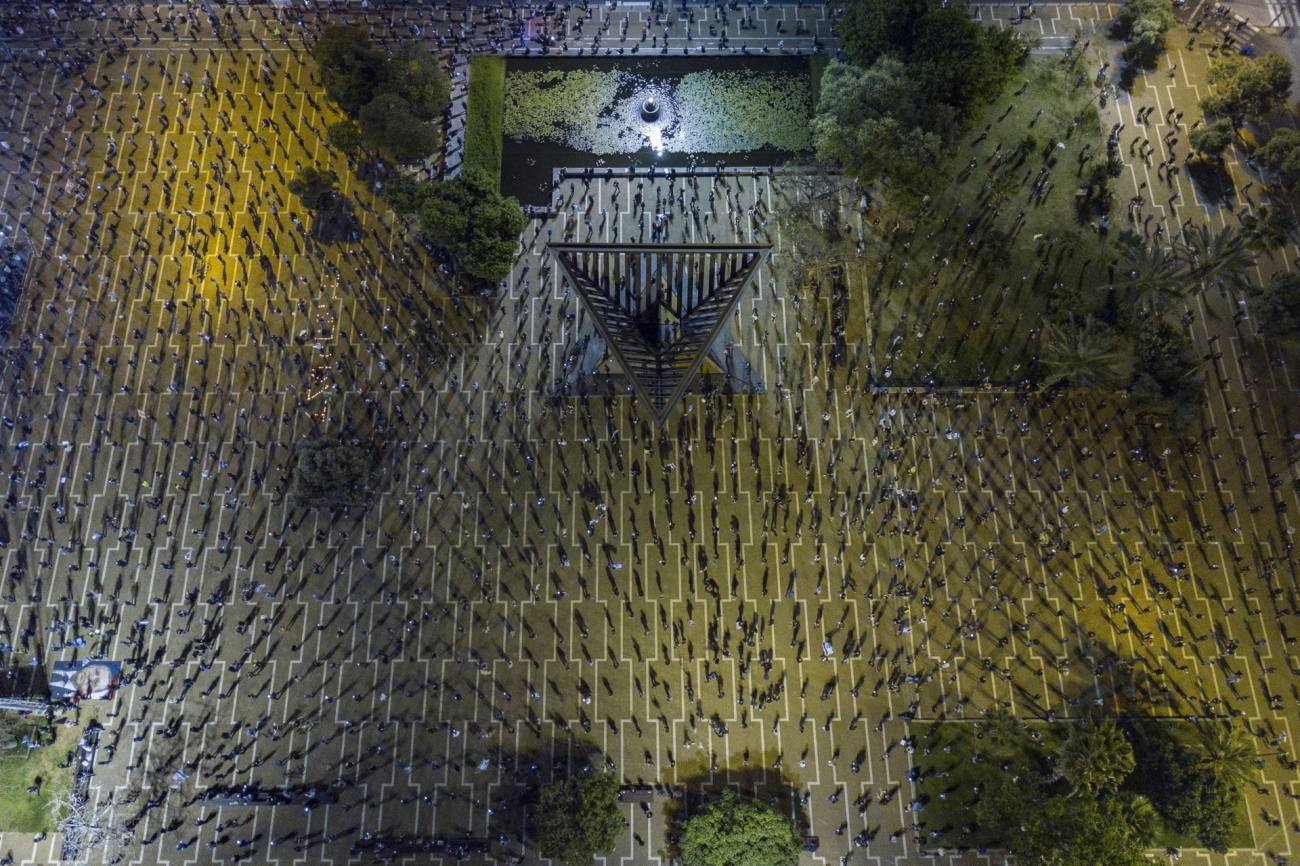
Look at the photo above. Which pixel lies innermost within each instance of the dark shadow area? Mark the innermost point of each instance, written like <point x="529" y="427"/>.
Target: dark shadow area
<point x="24" y="683"/>
<point x="1128" y="75"/>
<point x="1212" y="181"/>
<point x="336" y="222"/>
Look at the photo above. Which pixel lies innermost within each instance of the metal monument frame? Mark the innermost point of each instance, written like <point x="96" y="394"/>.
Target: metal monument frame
<point x="698" y="284"/>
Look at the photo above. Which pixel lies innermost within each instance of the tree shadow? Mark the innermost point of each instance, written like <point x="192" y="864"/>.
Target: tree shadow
<point x="1212" y="181"/>
<point x="336" y="222"/>
<point x="1128" y="75"/>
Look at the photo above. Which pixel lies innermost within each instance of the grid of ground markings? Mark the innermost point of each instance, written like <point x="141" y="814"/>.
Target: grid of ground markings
<point x="955" y="550"/>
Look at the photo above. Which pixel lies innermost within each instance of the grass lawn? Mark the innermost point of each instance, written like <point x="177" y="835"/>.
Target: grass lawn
<point x="949" y="799"/>
<point x="21" y="812"/>
<point x="817" y="64"/>
<point x="941" y="311"/>
<point x="483" y="113"/>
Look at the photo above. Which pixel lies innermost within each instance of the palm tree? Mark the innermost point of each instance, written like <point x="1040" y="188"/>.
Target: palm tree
<point x="1149" y="278"/>
<point x="1223" y="259"/>
<point x="1096" y="756"/>
<point x="1083" y="356"/>
<point x="1225" y="754"/>
<point x="1143" y="819"/>
<point x="1269" y="227"/>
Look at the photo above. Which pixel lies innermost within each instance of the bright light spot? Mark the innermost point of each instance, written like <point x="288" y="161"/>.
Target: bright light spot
<point x="655" y="134"/>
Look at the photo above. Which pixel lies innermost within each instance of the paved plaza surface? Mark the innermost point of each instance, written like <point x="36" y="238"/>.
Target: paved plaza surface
<point x="543" y="573"/>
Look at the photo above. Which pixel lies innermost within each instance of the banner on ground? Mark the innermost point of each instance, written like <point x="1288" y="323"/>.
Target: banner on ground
<point x="87" y="680"/>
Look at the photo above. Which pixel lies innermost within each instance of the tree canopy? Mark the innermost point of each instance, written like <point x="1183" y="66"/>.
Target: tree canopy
<point x="918" y="71"/>
<point x="474" y="223"/>
<point x="330" y="473"/>
<point x="1277" y="307"/>
<point x="1186" y="790"/>
<point x="1213" y="138"/>
<point x="1044" y="826"/>
<point x="955" y="61"/>
<point x="1142" y="24"/>
<point x="345" y="135"/>
<point x="417" y="78"/>
<point x="579" y="817"/>
<point x="1247" y="87"/>
<point x="395" y="100"/>
<point x="1087" y="820"/>
<point x="1084" y="354"/>
<point x="1169" y="383"/>
<point x="1281" y="155"/>
<point x="350" y="68"/>
<point x="315" y="187"/>
<point x="867" y="123"/>
<point x="1096" y="757"/>
<point x="388" y="123"/>
<point x="734" y="832"/>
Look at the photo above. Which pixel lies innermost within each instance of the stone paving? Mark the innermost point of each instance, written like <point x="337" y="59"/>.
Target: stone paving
<point x="545" y="574"/>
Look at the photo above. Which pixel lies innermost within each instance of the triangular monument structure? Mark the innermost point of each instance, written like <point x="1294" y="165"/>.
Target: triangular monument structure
<point x="659" y="307"/>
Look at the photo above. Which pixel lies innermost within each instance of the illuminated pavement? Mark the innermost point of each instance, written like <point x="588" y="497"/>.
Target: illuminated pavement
<point x="953" y="550"/>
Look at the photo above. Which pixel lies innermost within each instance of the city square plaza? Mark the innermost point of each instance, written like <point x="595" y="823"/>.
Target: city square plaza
<point x="770" y="591"/>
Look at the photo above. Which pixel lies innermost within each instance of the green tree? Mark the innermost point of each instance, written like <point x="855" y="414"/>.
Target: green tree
<point x="417" y="77"/>
<point x="1168" y="387"/>
<point x="1281" y="155"/>
<point x="1073" y="831"/>
<point x="1182" y="788"/>
<point x="962" y="63"/>
<point x="470" y="220"/>
<point x="1146" y="280"/>
<point x="1044" y="827"/>
<point x="1213" y="138"/>
<point x="1225" y="754"/>
<point x="1218" y="816"/>
<point x="1143" y="25"/>
<point x="345" y="135"/>
<point x="855" y="129"/>
<point x="871" y="28"/>
<point x="1269" y="226"/>
<point x="351" y="70"/>
<point x="579" y="818"/>
<point x="1084" y="355"/>
<point x="330" y="473"/>
<point x="1247" y="87"/>
<point x="1223" y="259"/>
<point x="1276" y="306"/>
<point x="389" y="124"/>
<point x="1096" y="757"/>
<point x="957" y="62"/>
<point x="817" y="237"/>
<point x="315" y="187"/>
<point x="735" y="832"/>
<point x="406" y="195"/>
<point x="332" y="216"/>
